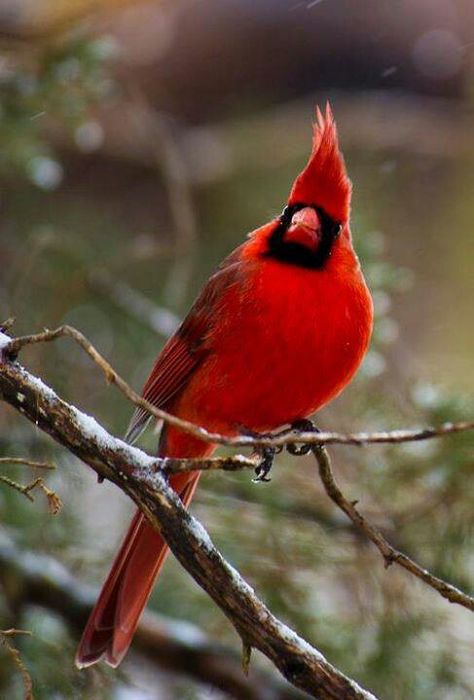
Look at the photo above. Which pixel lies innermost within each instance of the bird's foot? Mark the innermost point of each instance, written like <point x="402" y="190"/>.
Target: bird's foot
<point x="301" y="426"/>
<point x="267" y="452"/>
<point x="267" y="455"/>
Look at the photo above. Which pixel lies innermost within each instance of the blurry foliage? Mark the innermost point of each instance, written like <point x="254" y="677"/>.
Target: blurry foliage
<point x="47" y="86"/>
<point x="389" y="631"/>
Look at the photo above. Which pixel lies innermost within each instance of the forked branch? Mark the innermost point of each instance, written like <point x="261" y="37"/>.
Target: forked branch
<point x="136" y="474"/>
<point x="143" y="478"/>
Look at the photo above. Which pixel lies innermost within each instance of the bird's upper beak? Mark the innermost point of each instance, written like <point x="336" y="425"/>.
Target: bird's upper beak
<point x="305" y="228"/>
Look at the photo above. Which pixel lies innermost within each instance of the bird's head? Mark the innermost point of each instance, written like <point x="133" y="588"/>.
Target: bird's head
<point x="318" y="207"/>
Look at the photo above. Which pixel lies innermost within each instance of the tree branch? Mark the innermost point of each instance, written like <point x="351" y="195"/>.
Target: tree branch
<point x="389" y="553"/>
<point x="27" y="462"/>
<point x="309" y="439"/>
<point x="53" y="500"/>
<point x="10" y="348"/>
<point x="135" y="473"/>
<point x="5" y="639"/>
<point x="37" y="579"/>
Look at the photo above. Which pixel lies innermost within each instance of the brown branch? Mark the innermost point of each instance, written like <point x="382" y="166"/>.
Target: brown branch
<point x="5" y="638"/>
<point x="316" y="440"/>
<point x="171" y="644"/>
<point x="171" y="465"/>
<point x="53" y="500"/>
<point x="12" y="347"/>
<point x="389" y="553"/>
<point x="27" y="462"/>
<point x="15" y="345"/>
<point x="134" y="472"/>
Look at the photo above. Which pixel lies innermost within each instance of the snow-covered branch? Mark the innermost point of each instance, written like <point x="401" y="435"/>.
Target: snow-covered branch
<point x="135" y="473"/>
<point x="32" y="578"/>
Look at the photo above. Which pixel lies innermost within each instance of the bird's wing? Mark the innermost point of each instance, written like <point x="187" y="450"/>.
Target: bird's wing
<point x="187" y="347"/>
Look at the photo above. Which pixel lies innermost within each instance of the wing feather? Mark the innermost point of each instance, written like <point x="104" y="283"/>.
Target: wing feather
<point x="187" y="347"/>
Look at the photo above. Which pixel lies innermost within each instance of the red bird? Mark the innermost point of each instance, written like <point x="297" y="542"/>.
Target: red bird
<point x="277" y="332"/>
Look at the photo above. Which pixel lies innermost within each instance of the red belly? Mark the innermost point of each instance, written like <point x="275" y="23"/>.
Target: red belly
<point x="288" y="344"/>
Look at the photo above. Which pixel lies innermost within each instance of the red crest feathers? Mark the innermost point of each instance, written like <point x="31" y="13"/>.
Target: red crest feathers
<point x="324" y="180"/>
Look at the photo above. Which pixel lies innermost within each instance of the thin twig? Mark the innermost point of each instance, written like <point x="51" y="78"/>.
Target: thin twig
<point x="5" y="638"/>
<point x="283" y="438"/>
<point x="53" y="500"/>
<point x="389" y="553"/>
<point x="131" y="470"/>
<point x="315" y="439"/>
<point x="169" y="465"/>
<point x="13" y="632"/>
<point x="27" y="462"/>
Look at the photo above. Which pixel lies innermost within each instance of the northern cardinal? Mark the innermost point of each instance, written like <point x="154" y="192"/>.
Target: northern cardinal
<point x="277" y="332"/>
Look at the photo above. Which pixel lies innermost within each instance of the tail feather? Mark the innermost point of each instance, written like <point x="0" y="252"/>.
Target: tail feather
<point x="143" y="552"/>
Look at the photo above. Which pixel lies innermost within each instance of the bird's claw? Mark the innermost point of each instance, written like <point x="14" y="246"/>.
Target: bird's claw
<point x="303" y="426"/>
<point x="268" y="452"/>
<point x="263" y="469"/>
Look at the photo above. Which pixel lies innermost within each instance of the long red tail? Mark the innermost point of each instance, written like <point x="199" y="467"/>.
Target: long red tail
<point x="113" y="621"/>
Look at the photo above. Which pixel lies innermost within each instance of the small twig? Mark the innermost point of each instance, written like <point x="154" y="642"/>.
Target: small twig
<point x="111" y="375"/>
<point x="54" y="502"/>
<point x="5" y="638"/>
<point x="283" y="438"/>
<point x="389" y="553"/>
<point x="27" y="462"/>
<point x="246" y="656"/>
<point x="13" y="632"/>
<point x="133" y="471"/>
<point x="228" y="464"/>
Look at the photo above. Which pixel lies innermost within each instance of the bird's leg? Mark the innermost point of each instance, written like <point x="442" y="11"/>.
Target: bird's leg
<point x="266" y="453"/>
<point x="302" y="426"/>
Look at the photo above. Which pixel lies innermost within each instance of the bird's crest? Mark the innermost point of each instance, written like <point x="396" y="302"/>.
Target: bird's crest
<point x="324" y="180"/>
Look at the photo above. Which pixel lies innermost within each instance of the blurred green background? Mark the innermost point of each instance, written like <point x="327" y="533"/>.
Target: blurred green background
<point x="138" y="146"/>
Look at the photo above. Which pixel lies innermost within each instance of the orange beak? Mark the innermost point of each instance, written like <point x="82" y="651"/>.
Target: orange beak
<point x="305" y="228"/>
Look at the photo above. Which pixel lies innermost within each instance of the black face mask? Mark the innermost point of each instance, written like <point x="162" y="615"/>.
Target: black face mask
<point x="295" y="253"/>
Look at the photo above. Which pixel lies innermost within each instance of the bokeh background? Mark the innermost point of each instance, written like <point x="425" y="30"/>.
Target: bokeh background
<point x="138" y="145"/>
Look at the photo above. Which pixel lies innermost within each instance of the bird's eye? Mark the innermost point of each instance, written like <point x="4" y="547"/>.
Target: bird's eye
<point x="337" y="229"/>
